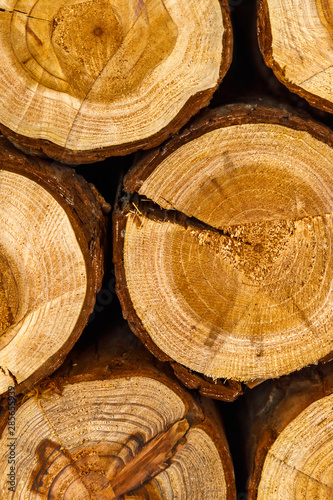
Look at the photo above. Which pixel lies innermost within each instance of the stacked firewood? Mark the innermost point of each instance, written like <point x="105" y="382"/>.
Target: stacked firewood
<point x="213" y="242"/>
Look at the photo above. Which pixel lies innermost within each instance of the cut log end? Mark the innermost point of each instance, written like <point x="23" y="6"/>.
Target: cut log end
<point x="37" y="276"/>
<point x="130" y="436"/>
<point x="113" y="423"/>
<point x="105" y="36"/>
<point x="296" y="39"/>
<point x="225" y="246"/>
<point x="299" y="464"/>
<point x="90" y="79"/>
<point x="49" y="270"/>
<point x="289" y="437"/>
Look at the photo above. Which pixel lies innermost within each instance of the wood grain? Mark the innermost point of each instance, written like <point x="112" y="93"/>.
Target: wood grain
<point x="52" y="244"/>
<point x="222" y="247"/>
<point x="295" y="38"/>
<point x="112" y="423"/>
<point x="288" y="436"/>
<point x="84" y="80"/>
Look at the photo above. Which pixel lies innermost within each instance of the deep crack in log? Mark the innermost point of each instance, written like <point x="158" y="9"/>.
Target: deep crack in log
<point x="115" y="423"/>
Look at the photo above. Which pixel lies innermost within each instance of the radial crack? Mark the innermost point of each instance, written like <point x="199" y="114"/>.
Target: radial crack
<point x="293" y="468"/>
<point x="141" y="206"/>
<point x="7" y="372"/>
<point x="27" y="15"/>
<point x="153" y="458"/>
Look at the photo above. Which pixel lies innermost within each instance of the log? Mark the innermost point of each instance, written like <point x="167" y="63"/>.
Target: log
<point x="111" y="423"/>
<point x="223" y="246"/>
<point x="296" y="40"/>
<point x="52" y="245"/>
<point x="289" y="436"/>
<point x="81" y="81"/>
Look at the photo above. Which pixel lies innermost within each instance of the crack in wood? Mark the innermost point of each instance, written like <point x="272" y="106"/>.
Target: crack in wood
<point x="47" y="420"/>
<point x="62" y="448"/>
<point x="141" y="206"/>
<point x="152" y="457"/>
<point x="7" y="373"/>
<point x="13" y="376"/>
<point x="293" y="468"/>
<point x="254" y="258"/>
<point x="316" y="74"/>
<point x="25" y="13"/>
<point x="251" y="248"/>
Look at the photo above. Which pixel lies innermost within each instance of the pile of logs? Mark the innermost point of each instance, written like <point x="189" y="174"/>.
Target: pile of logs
<point x="217" y="382"/>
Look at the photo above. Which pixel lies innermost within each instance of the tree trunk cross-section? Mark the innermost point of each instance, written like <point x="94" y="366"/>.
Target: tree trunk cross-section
<point x="52" y="238"/>
<point x="296" y="39"/>
<point x="289" y="437"/>
<point x="223" y="245"/>
<point x="83" y="80"/>
<point x="116" y="426"/>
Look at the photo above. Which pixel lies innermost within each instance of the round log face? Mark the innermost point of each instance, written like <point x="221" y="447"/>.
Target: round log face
<point x="106" y="74"/>
<point x="71" y="45"/>
<point x="53" y="226"/>
<point x="229" y="271"/>
<point x="296" y="38"/>
<point x="300" y="462"/>
<point x="43" y="277"/>
<point x="128" y="437"/>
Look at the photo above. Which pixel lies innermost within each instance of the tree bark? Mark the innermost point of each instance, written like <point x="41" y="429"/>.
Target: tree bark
<point x="52" y="244"/>
<point x="222" y="245"/>
<point x="112" y="423"/>
<point x="296" y="40"/>
<point x="86" y="80"/>
<point x="289" y="437"/>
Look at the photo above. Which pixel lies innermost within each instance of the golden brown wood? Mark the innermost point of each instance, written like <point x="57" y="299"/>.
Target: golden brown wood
<point x="288" y="430"/>
<point x="83" y="80"/>
<point x="296" y="39"/>
<point x="111" y="423"/>
<point x="52" y="240"/>
<point x="222" y="245"/>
